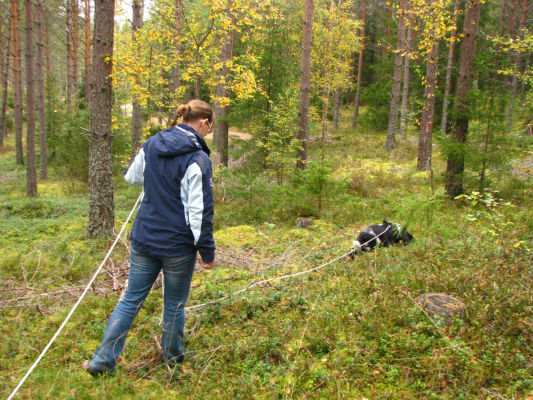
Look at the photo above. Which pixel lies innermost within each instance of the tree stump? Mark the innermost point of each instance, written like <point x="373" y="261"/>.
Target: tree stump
<point x="441" y="305"/>
<point x="303" y="222"/>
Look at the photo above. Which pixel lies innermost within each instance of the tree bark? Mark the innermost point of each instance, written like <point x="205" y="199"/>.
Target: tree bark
<point x="75" y="47"/>
<point x="39" y="76"/>
<point x="31" y="168"/>
<point x="175" y="72"/>
<point x="524" y="7"/>
<point x="428" y="109"/>
<point x="17" y="79"/>
<point x="101" y="203"/>
<point x="136" y="113"/>
<point x="87" y="50"/>
<point x="68" y="31"/>
<point x="449" y="66"/>
<point x="305" y="85"/>
<point x="402" y="134"/>
<point x="359" y="68"/>
<point x="397" y="78"/>
<point x="4" y="47"/>
<point x="47" y="46"/>
<point x="337" y="109"/>
<point x="222" y="93"/>
<point x="460" y="117"/>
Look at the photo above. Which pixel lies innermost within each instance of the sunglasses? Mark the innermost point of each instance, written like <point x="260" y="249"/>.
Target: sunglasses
<point x="209" y="126"/>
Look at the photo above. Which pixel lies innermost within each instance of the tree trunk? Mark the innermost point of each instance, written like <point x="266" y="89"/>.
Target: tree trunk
<point x="428" y="109"/>
<point x="222" y="95"/>
<point x="175" y="72"/>
<point x="17" y="79"/>
<point x="39" y="76"/>
<point x="68" y="30"/>
<point x="460" y="117"/>
<point x="75" y="47"/>
<point x="31" y="168"/>
<point x="523" y="85"/>
<point x="47" y="46"/>
<point x="136" y="113"/>
<point x="449" y="66"/>
<point x="305" y="85"/>
<point x="337" y="109"/>
<point x="4" y="47"/>
<point x="402" y="134"/>
<point x="397" y="79"/>
<point x="359" y="68"/>
<point x="101" y="205"/>
<point x="87" y="50"/>
<point x="516" y="60"/>
<point x="325" y="107"/>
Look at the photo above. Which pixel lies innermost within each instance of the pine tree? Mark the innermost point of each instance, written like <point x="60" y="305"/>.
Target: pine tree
<point x="87" y="53"/>
<point x="456" y="154"/>
<point x="17" y="78"/>
<point x="136" y="113"/>
<point x="101" y="204"/>
<point x="305" y="85"/>
<point x="5" y="57"/>
<point x="397" y="78"/>
<point x="31" y="168"/>
<point x="39" y="76"/>
<point x="222" y="92"/>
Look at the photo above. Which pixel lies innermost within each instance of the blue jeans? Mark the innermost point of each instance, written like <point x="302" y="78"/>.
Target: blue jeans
<point x="144" y="269"/>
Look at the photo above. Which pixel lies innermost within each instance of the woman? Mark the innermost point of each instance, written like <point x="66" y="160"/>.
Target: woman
<point x="173" y="223"/>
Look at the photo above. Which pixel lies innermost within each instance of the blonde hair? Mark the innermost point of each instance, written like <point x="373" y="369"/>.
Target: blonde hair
<point x="193" y="110"/>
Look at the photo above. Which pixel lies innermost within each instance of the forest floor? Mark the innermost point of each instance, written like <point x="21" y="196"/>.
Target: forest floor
<point x="349" y="330"/>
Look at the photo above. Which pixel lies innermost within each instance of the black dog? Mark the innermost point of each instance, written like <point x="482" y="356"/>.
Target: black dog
<point x="385" y="234"/>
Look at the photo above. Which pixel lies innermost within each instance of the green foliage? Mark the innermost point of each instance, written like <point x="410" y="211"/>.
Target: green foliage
<point x="71" y="145"/>
<point x="352" y="329"/>
<point x="486" y="212"/>
<point x="377" y="99"/>
<point x="279" y="143"/>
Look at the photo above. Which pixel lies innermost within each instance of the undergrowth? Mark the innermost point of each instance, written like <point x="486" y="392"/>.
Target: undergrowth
<point x="349" y="330"/>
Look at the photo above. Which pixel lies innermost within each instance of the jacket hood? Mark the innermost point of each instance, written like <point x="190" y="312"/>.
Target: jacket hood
<point x="175" y="141"/>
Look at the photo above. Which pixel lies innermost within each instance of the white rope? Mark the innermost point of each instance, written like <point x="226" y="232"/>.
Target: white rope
<point x="77" y="303"/>
<point x="195" y="307"/>
<point x="277" y="278"/>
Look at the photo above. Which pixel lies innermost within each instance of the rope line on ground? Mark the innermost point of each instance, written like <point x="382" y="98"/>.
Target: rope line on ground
<point x="195" y="307"/>
<point x="277" y="278"/>
<point x="77" y="302"/>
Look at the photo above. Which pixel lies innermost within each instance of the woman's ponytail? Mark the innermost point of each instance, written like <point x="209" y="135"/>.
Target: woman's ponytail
<point x="193" y="110"/>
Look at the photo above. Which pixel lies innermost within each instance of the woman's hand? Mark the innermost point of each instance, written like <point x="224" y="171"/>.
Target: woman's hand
<point x="207" y="265"/>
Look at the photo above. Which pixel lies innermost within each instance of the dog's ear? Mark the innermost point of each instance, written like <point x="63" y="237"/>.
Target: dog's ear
<point x="386" y="222"/>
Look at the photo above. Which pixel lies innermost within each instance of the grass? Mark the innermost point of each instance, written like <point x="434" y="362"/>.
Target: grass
<point x="351" y="330"/>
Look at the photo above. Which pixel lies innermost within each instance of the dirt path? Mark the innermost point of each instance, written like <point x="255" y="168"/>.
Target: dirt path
<point x="235" y="133"/>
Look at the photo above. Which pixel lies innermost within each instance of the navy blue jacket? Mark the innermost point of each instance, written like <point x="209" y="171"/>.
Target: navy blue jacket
<point x="176" y="214"/>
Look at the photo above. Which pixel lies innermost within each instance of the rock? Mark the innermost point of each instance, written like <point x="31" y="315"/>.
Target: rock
<point x="442" y="306"/>
<point x="302" y="222"/>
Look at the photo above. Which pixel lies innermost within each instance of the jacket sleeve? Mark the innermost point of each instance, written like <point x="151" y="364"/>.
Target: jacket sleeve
<point x="200" y="206"/>
<point x="135" y="173"/>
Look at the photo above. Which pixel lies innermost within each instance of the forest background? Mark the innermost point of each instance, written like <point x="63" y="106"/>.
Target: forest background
<point x="343" y="112"/>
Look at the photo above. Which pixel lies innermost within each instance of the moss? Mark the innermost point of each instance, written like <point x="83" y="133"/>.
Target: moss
<point x="297" y="233"/>
<point x="239" y="236"/>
